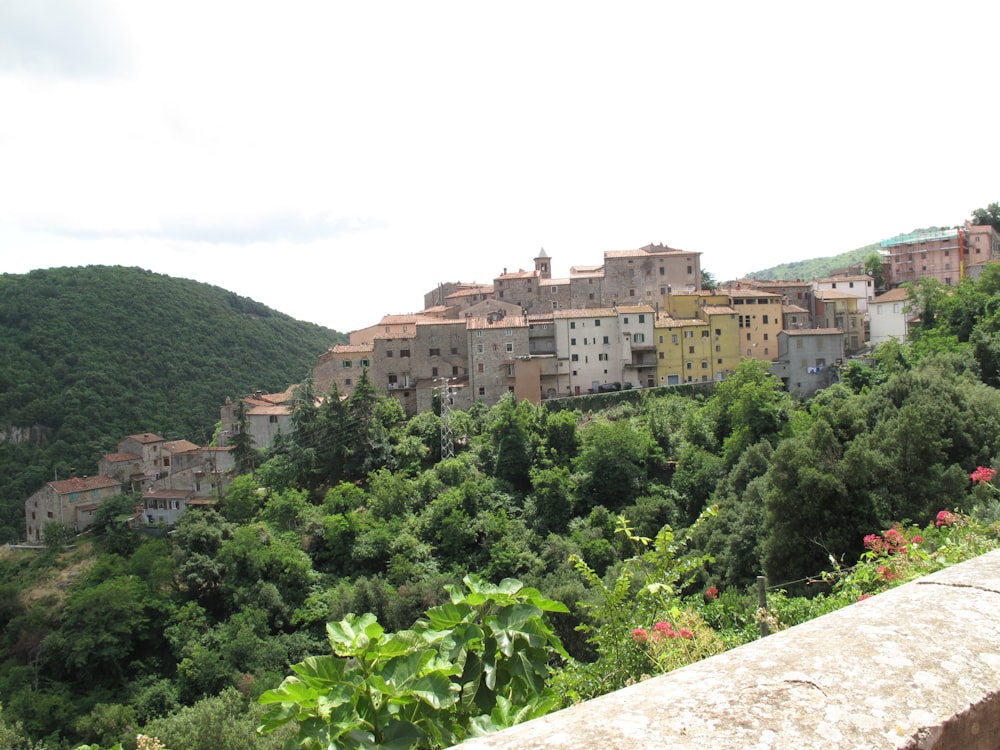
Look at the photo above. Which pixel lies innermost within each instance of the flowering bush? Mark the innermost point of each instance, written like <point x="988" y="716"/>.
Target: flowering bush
<point x="673" y="644"/>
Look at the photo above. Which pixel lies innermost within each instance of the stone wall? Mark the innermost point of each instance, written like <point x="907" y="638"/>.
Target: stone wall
<point x="917" y="667"/>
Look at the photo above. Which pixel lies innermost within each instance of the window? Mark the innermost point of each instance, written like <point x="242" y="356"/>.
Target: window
<point x="454" y="369"/>
<point x="480" y="367"/>
<point x="638" y="337"/>
<point x="661" y="355"/>
<point x="388" y="353"/>
<point x="689" y="365"/>
<point x="690" y="350"/>
<point x="673" y="338"/>
<point x="626" y="321"/>
<point x="482" y="391"/>
<point x="765" y="337"/>
<point x="555" y="305"/>
<point x="704" y="365"/>
<point x="765" y="320"/>
<point x="631" y="292"/>
<point x="454" y="350"/>
<point x="572" y="342"/>
<point x="272" y="418"/>
<point x="508" y="332"/>
<point x="642" y="318"/>
<point x="718" y="331"/>
<point x="347" y="381"/>
<point x="662" y="271"/>
<point x="597" y="323"/>
<point x="572" y="324"/>
<point x="602" y="357"/>
<point x="510" y="346"/>
<point x="706" y="333"/>
<point x="690" y="269"/>
<point x="404" y="352"/>
<point x="479" y="334"/>
<point x="718" y="348"/>
<point x="346" y="362"/>
<point x="689" y="334"/>
<point x="554" y="289"/>
<point x="574" y="358"/>
<point x="364" y="363"/>
<point x="605" y="341"/>
<point x="434" y="353"/>
<point x="392" y="380"/>
<point x="434" y="372"/>
<point x="480" y="347"/>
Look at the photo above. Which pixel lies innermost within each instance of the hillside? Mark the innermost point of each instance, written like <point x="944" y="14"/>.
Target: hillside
<point x="816" y="268"/>
<point x="93" y="353"/>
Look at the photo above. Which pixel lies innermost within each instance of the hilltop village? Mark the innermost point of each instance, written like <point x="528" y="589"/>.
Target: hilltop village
<point x="641" y="319"/>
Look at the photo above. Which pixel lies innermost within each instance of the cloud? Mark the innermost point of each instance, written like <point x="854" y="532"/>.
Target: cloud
<point x="263" y="228"/>
<point x="62" y="38"/>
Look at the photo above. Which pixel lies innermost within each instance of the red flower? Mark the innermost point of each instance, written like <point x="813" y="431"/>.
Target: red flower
<point x="712" y="592"/>
<point x="945" y="518"/>
<point x="639" y="635"/>
<point x="983" y="475"/>
<point x="863" y="597"/>
<point x="875" y="543"/>
<point x="917" y="539"/>
<point x="886" y="573"/>
<point x="685" y="633"/>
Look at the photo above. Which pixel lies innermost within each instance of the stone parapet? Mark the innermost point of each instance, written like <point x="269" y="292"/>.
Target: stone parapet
<point x="914" y="667"/>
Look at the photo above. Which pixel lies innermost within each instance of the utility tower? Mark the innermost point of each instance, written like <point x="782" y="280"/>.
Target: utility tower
<point x="447" y="440"/>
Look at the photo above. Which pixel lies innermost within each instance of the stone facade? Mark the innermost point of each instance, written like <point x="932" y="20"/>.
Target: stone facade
<point x="69" y="501"/>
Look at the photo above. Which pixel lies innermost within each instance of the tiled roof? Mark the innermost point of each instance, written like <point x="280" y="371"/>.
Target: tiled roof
<point x="485" y="289"/>
<point x="146" y="437"/>
<point x="167" y="494"/>
<point x="893" y="295"/>
<point x="83" y="484"/>
<point x="665" y="321"/>
<point x="833" y="294"/>
<point x="745" y="293"/>
<point x="646" y="251"/>
<point x="270" y="409"/>
<point x="519" y="274"/>
<point x="121" y="457"/>
<point x="179" y="446"/>
<point x="352" y="348"/>
<point x="793" y="309"/>
<point x="630" y="309"/>
<point x="718" y="310"/>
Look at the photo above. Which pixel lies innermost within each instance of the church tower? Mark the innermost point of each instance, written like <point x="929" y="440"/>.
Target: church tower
<point x="543" y="265"/>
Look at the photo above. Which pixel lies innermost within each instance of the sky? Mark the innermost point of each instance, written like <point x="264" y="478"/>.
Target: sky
<point x="336" y="160"/>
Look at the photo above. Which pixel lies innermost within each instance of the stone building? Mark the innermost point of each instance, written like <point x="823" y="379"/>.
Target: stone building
<point x="494" y="344"/>
<point x="267" y="415"/>
<point x="69" y="501"/>
<point x="808" y="360"/>
<point x="837" y="309"/>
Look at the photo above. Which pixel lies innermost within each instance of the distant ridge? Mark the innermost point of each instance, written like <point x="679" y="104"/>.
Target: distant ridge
<point x="815" y="268"/>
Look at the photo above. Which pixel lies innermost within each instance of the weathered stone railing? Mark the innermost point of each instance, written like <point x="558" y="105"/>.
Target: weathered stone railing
<point x="915" y="667"/>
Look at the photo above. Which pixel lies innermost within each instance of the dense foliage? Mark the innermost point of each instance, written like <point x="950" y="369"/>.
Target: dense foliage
<point x="89" y="355"/>
<point x="341" y="557"/>
<point x="817" y="268"/>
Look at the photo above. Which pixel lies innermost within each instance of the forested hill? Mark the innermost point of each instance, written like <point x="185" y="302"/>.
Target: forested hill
<point x="94" y="353"/>
<point x="816" y="268"/>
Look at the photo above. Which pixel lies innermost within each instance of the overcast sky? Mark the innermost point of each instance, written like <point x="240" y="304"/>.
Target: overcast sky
<point x="336" y="160"/>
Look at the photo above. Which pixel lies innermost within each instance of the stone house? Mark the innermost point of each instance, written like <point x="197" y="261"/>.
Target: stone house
<point x="267" y="415"/>
<point x="165" y="506"/>
<point x="889" y="317"/>
<point x="809" y="360"/>
<point x="69" y="501"/>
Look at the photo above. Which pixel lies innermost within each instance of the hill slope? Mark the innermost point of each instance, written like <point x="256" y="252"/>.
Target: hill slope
<point x="816" y="268"/>
<point x="91" y="354"/>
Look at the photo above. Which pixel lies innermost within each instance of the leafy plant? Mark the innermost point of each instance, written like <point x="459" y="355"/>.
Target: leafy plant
<point x="475" y="664"/>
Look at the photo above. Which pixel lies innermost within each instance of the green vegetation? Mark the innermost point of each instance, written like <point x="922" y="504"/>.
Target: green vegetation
<point x="369" y="593"/>
<point x="90" y="355"/>
<point x="818" y="268"/>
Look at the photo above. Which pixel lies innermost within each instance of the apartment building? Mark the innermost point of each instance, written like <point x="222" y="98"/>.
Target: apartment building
<point x="759" y="320"/>
<point x="590" y="349"/>
<point x="494" y="344"/>
<point x="936" y="253"/>
<point x="858" y="285"/>
<point x="889" y="317"/>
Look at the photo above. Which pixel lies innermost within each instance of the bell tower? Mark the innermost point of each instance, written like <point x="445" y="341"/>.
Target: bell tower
<point x="543" y="265"/>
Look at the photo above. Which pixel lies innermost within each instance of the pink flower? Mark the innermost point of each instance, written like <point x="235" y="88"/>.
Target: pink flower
<point x="863" y="597"/>
<point x="983" y="475"/>
<point x="639" y="635"/>
<point x="917" y="539"/>
<point x="945" y="518"/>
<point x="712" y="592"/>
<point x="874" y="542"/>
<point x="685" y="633"/>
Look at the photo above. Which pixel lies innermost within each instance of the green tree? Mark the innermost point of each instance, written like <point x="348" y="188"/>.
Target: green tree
<point x="613" y="463"/>
<point x="989" y="215"/>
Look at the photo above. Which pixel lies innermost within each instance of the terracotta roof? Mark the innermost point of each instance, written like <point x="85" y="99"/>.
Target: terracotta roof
<point x="718" y="310"/>
<point x="146" y="437"/>
<point x="793" y="309"/>
<point x="115" y="458"/>
<point x="485" y="289"/>
<point x="179" y="446"/>
<point x="353" y="348"/>
<point x="645" y="251"/>
<point x="837" y="279"/>
<point x="519" y="274"/>
<point x="82" y="484"/>
<point x="893" y="295"/>
<point x="744" y="293"/>
<point x="665" y="321"/>
<point x="270" y="409"/>
<point x="635" y="309"/>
